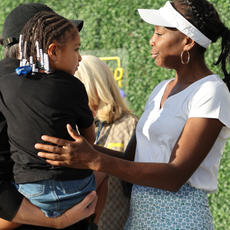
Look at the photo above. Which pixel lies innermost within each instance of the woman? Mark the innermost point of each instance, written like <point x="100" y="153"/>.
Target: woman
<point x="115" y="125"/>
<point x="181" y="135"/>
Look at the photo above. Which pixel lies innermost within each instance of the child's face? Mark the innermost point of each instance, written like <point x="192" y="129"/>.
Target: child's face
<point x="69" y="56"/>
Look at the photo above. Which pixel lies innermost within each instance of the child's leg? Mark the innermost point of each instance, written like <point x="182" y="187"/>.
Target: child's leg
<point x="6" y="225"/>
<point x="54" y="197"/>
<point x="102" y="191"/>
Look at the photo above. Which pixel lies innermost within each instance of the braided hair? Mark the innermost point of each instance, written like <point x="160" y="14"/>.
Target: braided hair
<point x="44" y="28"/>
<point x="205" y="18"/>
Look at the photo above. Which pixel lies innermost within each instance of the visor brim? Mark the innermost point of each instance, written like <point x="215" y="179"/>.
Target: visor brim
<point x="154" y="17"/>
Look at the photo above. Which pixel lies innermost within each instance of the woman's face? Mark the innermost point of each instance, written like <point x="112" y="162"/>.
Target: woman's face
<point x="167" y="45"/>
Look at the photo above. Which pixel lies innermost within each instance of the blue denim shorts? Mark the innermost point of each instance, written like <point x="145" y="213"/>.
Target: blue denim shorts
<point x="54" y="197"/>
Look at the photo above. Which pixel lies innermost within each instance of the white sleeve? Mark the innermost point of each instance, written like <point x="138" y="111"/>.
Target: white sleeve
<point x="212" y="100"/>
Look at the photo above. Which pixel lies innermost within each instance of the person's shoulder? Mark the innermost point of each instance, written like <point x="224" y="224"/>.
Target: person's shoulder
<point x="210" y="79"/>
<point x="210" y="89"/>
<point x="130" y="116"/>
<point x="65" y="75"/>
<point x="8" y="77"/>
<point x="68" y="77"/>
<point x="8" y="65"/>
<point x="212" y="83"/>
<point x="124" y="126"/>
<point x="10" y="61"/>
<point x="127" y="119"/>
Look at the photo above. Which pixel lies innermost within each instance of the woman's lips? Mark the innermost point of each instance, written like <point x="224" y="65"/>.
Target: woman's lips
<point x="154" y="55"/>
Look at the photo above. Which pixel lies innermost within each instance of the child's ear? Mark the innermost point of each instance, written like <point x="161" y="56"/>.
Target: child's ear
<point x="52" y="51"/>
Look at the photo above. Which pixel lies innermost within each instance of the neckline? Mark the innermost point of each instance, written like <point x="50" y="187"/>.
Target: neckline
<point x="182" y="91"/>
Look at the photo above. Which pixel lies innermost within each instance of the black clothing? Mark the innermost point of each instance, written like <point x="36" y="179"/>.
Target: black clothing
<point x="10" y="198"/>
<point x="8" y="65"/>
<point x="38" y="104"/>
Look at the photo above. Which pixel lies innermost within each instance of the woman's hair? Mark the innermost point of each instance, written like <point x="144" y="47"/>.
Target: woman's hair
<point x="205" y="18"/>
<point x="10" y="51"/>
<point x="1" y="40"/>
<point x="101" y="88"/>
<point x="45" y="27"/>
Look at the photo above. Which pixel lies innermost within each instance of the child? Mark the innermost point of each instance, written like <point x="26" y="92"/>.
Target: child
<point x="42" y="97"/>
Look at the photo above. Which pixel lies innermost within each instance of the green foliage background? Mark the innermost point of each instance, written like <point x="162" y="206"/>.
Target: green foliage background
<point x="115" y="24"/>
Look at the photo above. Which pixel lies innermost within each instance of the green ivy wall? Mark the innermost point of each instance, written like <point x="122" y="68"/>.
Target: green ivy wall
<point x="115" y="24"/>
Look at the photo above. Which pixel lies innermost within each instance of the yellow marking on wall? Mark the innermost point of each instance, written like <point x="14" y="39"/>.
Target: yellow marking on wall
<point x="119" y="71"/>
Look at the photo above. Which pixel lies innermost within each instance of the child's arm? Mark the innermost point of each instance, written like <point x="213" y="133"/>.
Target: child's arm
<point x="88" y="134"/>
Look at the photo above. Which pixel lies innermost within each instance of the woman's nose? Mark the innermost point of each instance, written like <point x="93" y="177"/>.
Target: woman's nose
<point x="151" y="41"/>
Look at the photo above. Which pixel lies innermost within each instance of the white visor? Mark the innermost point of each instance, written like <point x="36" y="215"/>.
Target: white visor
<point x="167" y="16"/>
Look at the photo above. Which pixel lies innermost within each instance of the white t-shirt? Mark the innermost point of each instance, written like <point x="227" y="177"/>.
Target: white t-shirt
<point x="159" y="128"/>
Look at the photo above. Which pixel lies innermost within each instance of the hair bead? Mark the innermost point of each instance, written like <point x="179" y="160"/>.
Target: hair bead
<point x="38" y="50"/>
<point x="42" y="58"/>
<point x="24" y="55"/>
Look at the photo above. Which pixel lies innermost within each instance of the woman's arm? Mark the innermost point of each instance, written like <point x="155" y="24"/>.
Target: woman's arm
<point x="31" y="215"/>
<point x="193" y="145"/>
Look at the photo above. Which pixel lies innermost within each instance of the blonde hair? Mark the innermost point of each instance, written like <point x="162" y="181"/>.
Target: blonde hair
<point x="101" y="88"/>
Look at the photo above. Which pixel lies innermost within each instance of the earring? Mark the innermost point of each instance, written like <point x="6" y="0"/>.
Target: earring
<point x="181" y="57"/>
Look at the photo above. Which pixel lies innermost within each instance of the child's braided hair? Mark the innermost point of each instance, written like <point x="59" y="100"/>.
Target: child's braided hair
<point x="45" y="27"/>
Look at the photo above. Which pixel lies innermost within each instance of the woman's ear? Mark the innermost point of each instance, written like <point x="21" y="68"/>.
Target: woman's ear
<point x="190" y="43"/>
<point x="53" y="51"/>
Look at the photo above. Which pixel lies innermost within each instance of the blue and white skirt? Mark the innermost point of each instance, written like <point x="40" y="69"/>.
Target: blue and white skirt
<point x="152" y="208"/>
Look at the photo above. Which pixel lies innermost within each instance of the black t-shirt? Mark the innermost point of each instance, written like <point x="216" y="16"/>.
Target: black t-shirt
<point x="39" y="104"/>
<point x="8" y="66"/>
<point x="10" y="198"/>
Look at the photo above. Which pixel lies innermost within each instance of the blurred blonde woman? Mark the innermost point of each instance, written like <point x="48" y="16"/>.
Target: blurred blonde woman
<point x="115" y="125"/>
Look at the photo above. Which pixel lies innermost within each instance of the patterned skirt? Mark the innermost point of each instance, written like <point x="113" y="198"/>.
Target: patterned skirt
<point x="158" y="209"/>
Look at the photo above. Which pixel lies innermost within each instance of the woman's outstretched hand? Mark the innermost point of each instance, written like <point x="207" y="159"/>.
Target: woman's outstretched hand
<point x="73" y="154"/>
